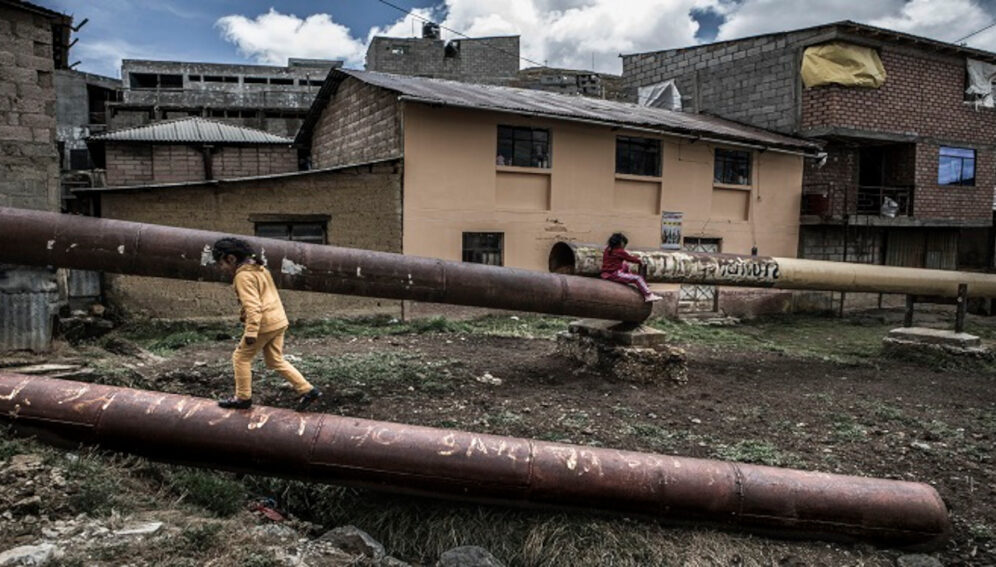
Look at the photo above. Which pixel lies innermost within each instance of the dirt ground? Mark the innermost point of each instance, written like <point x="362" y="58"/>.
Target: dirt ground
<point x="804" y="392"/>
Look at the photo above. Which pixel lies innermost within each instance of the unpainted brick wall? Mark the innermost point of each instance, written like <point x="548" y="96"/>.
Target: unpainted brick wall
<point x="364" y="203"/>
<point x="360" y="123"/>
<point x="923" y="97"/>
<point x="864" y="244"/>
<point x="137" y="164"/>
<point x="29" y="163"/>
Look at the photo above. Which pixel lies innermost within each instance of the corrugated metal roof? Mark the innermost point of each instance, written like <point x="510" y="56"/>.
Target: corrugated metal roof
<point x="192" y="129"/>
<point x="567" y="107"/>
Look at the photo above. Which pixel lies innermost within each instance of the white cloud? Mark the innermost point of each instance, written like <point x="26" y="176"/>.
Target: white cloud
<point x="273" y="37"/>
<point x="104" y="56"/>
<point x="576" y="33"/>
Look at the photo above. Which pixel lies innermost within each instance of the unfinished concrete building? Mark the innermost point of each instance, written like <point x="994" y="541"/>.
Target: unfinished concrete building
<point x="909" y="174"/>
<point x="270" y="98"/>
<point x="81" y="101"/>
<point x="486" y="60"/>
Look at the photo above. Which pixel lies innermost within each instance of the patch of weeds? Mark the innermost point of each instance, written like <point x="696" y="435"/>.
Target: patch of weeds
<point x="760" y="452"/>
<point x="575" y="420"/>
<point x="936" y="430"/>
<point x="260" y="559"/>
<point x="887" y="412"/>
<point x="200" y="537"/>
<point x="981" y="531"/>
<point x="380" y="369"/>
<point x="166" y="336"/>
<point x="67" y="561"/>
<point x="846" y="430"/>
<point x="10" y="445"/>
<point x="95" y="490"/>
<point x="112" y="373"/>
<point x="214" y="491"/>
<point x="527" y="326"/>
<point x="504" y="418"/>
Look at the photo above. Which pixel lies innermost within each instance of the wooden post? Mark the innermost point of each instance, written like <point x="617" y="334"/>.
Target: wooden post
<point x="962" y="305"/>
<point x="908" y="319"/>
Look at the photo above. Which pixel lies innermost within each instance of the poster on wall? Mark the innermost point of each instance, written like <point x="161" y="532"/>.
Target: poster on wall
<point x="671" y="230"/>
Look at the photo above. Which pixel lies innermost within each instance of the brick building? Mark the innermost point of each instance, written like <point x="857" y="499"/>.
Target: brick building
<point x="189" y="149"/>
<point x="34" y="43"/>
<point x="910" y="169"/>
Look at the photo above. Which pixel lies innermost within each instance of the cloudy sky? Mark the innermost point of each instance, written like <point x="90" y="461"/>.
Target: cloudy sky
<point x="560" y="33"/>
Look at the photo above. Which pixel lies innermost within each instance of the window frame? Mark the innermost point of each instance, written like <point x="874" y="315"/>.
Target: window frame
<point x="479" y="249"/>
<point x="536" y="160"/>
<point x="961" y="181"/>
<point x="291" y="221"/>
<point x="731" y="153"/>
<point x="633" y="144"/>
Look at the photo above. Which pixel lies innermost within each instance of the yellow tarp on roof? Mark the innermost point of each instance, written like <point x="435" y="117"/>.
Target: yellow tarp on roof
<point x="842" y="64"/>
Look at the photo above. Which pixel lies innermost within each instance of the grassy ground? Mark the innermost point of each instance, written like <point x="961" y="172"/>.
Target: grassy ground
<point x="808" y="392"/>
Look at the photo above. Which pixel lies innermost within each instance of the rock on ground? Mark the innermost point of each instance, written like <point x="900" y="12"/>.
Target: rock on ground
<point x="28" y="555"/>
<point x="468" y="556"/>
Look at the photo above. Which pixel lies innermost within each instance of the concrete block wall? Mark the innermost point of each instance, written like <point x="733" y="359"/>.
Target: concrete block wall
<point x="864" y="244"/>
<point x="364" y="204"/>
<point x="477" y="60"/>
<point x="29" y="163"/>
<point x="360" y="123"/>
<point x="754" y="80"/>
<point x="139" y="164"/>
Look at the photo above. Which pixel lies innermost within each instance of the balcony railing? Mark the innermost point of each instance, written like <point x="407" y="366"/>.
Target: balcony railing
<point x="833" y="201"/>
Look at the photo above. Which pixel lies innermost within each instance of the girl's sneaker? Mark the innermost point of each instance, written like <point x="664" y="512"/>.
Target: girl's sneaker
<point x="652" y="298"/>
<point x="306" y="399"/>
<point x="235" y="403"/>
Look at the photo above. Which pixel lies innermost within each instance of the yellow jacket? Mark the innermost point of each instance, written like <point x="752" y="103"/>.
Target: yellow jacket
<point x="262" y="310"/>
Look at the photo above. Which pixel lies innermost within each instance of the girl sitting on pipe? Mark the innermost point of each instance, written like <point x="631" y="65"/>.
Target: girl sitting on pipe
<point x="614" y="268"/>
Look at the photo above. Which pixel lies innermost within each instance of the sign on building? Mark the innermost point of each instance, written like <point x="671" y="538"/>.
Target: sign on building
<point x="671" y="230"/>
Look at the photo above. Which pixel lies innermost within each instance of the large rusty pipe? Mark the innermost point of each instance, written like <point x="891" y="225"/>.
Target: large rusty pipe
<point x="782" y="273"/>
<point x="463" y="465"/>
<point x="49" y="239"/>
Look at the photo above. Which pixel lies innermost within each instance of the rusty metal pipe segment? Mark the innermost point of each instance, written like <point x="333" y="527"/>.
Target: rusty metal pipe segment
<point x="782" y="273"/>
<point x="471" y="466"/>
<point x="67" y="241"/>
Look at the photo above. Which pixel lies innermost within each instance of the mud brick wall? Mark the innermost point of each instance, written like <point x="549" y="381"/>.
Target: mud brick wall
<point x="364" y="204"/>
<point x="477" y="60"/>
<point x="923" y="97"/>
<point x="138" y="164"/>
<point x="29" y="161"/>
<point x="360" y="123"/>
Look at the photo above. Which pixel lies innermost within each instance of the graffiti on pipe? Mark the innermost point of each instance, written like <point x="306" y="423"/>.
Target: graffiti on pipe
<point x="710" y="268"/>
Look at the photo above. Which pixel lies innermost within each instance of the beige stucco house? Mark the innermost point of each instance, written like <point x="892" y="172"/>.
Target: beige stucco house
<point x="497" y="174"/>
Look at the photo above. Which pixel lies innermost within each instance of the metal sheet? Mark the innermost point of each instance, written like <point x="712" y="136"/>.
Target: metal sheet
<point x="472" y="466"/>
<point x="26" y="320"/>
<point x="84" y="283"/>
<point x="193" y="129"/>
<point x="508" y="99"/>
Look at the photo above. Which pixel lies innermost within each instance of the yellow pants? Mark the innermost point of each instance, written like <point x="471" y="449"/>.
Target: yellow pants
<point x="272" y="345"/>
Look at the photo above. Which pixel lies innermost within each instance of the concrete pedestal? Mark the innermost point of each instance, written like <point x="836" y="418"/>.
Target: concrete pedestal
<point x="917" y="339"/>
<point x="624" y="351"/>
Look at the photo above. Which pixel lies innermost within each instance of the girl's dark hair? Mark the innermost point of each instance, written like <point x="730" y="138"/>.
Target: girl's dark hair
<point x="234" y="246"/>
<point x="618" y="239"/>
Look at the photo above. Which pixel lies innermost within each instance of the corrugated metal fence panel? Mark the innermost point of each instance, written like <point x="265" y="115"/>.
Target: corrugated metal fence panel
<point x="942" y="250"/>
<point x="84" y="283"/>
<point x="905" y="248"/>
<point x="26" y="320"/>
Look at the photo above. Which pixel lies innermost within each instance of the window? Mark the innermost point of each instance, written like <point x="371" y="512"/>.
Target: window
<point x="523" y="147"/>
<point x="956" y="167"/>
<point x="80" y="159"/>
<point x="278" y="81"/>
<point x="484" y="248"/>
<point x="732" y="167"/>
<point x="313" y="232"/>
<point x="638" y="156"/>
<point x="254" y="80"/>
